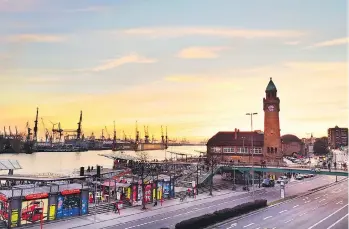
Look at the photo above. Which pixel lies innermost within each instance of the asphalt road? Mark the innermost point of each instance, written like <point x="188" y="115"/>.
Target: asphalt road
<point x="170" y="218"/>
<point x="326" y="209"/>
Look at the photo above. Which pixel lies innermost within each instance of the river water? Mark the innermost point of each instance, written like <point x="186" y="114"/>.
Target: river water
<point x="66" y="162"/>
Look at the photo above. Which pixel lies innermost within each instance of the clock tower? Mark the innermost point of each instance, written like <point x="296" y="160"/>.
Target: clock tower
<point x="272" y="140"/>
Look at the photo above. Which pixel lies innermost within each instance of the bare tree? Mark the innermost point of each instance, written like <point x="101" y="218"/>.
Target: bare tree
<point x="143" y="169"/>
<point x="212" y="161"/>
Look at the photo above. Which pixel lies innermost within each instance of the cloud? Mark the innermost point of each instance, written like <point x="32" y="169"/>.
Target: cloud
<point x="88" y="9"/>
<point x="292" y="42"/>
<point x="132" y="58"/>
<point x="334" y="42"/>
<point x="35" y="38"/>
<point x="157" y="32"/>
<point x="18" y="5"/>
<point x="200" y="52"/>
<point x="183" y="78"/>
<point x="318" y="66"/>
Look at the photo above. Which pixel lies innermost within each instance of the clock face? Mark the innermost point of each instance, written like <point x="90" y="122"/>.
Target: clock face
<point x="271" y="108"/>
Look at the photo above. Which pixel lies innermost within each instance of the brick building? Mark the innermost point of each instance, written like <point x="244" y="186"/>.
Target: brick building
<point x="292" y="145"/>
<point x="337" y="137"/>
<point x="236" y="145"/>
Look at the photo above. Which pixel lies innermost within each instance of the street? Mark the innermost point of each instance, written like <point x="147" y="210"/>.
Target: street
<point x="321" y="210"/>
<point x="170" y="218"/>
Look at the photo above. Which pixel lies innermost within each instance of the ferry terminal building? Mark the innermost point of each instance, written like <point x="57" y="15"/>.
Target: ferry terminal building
<point x="268" y="146"/>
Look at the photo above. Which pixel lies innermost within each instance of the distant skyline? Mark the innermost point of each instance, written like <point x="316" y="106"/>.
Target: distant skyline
<point x="195" y="66"/>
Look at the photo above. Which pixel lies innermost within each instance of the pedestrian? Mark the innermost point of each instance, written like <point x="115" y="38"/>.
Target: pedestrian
<point x="335" y="165"/>
<point x="156" y="203"/>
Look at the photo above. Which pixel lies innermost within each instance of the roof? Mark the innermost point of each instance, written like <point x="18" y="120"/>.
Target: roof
<point x="119" y="155"/>
<point x="243" y="138"/>
<point x="271" y="86"/>
<point x="8" y="164"/>
<point x="288" y="138"/>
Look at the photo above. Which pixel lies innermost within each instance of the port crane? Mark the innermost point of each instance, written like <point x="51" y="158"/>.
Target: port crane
<point x="35" y="137"/>
<point x="5" y="134"/>
<point x="146" y="134"/>
<point x="106" y="130"/>
<point x="47" y="133"/>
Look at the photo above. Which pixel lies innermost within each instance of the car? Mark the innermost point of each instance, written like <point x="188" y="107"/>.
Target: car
<point x="306" y="175"/>
<point x="268" y="183"/>
<point x="283" y="179"/>
<point x="299" y="177"/>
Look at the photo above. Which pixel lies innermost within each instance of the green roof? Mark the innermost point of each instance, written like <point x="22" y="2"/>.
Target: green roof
<point x="271" y="86"/>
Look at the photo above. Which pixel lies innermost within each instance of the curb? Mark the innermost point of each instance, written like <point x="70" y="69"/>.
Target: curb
<point x="278" y="203"/>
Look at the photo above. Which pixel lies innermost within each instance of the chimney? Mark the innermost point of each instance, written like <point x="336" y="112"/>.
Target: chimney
<point x="236" y="134"/>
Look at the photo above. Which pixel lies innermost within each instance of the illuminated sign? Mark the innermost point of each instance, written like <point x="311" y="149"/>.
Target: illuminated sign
<point x="70" y="192"/>
<point x="3" y="197"/>
<point x="36" y="196"/>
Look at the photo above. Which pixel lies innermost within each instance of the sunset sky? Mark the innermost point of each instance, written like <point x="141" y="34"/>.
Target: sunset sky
<point x="196" y="66"/>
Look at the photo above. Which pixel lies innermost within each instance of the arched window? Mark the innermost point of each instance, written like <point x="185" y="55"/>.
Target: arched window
<point x="268" y="149"/>
<point x="276" y="150"/>
<point x="272" y="150"/>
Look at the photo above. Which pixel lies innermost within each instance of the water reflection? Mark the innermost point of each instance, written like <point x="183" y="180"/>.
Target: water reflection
<point x="65" y="162"/>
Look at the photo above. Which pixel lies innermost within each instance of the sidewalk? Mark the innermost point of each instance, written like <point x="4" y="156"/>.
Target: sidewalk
<point x="135" y="213"/>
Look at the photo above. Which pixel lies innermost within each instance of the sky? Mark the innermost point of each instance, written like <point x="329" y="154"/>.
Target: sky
<point x="196" y="67"/>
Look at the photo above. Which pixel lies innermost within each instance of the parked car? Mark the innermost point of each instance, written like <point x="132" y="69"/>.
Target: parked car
<point x="299" y="177"/>
<point x="268" y="183"/>
<point x="282" y="178"/>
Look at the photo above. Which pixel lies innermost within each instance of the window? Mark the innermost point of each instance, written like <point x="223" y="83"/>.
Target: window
<point x="272" y="150"/>
<point x="228" y="150"/>
<point x="276" y="150"/>
<point x="268" y="150"/>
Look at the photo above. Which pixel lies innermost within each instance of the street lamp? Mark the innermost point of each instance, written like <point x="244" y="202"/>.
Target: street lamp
<point x="251" y="116"/>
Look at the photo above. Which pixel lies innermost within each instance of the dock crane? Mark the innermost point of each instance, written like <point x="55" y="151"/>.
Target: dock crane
<point x="146" y="134"/>
<point x="102" y="137"/>
<point x="16" y="130"/>
<point x="9" y="129"/>
<point x="36" y="125"/>
<point x="125" y="138"/>
<point x="5" y="132"/>
<point x="137" y="133"/>
<point x="162" y="136"/>
<point x="47" y="133"/>
<point x="106" y="130"/>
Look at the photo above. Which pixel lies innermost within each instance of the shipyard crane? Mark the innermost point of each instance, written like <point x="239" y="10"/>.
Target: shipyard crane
<point x="106" y="130"/>
<point x="47" y="133"/>
<point x="102" y="137"/>
<point x="125" y="138"/>
<point x="36" y="125"/>
<point x="9" y="129"/>
<point x="137" y="133"/>
<point x="162" y="135"/>
<point x="28" y="132"/>
<point x="5" y="132"/>
<point x="16" y="130"/>
<point x="146" y="134"/>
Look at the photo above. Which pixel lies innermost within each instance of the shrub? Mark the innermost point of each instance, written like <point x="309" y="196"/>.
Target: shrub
<point x="221" y="215"/>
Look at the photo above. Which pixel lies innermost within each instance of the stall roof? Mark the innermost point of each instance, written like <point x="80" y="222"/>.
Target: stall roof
<point x="8" y="164"/>
<point x="118" y="155"/>
<point x="28" y="189"/>
<point x="39" y="178"/>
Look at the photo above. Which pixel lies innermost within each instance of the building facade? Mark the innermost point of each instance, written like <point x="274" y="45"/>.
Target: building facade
<point x="237" y="145"/>
<point x="337" y="137"/>
<point x="292" y="145"/>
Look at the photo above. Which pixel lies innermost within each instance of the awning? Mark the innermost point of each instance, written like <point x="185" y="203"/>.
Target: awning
<point x="8" y="164"/>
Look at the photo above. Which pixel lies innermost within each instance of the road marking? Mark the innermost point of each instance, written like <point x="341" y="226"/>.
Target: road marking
<point x="295" y="206"/>
<point x="283" y="211"/>
<point x="313" y="209"/>
<point x="249" y="225"/>
<point x="258" y="228"/>
<point x="337" y="221"/>
<point x="232" y="225"/>
<point x="267" y="217"/>
<point x="288" y="221"/>
<point x="316" y="198"/>
<point x="322" y="200"/>
<point x="307" y="201"/>
<point x="327" y="217"/>
<point x="325" y="195"/>
<point x="303" y="214"/>
<point x="340" y="202"/>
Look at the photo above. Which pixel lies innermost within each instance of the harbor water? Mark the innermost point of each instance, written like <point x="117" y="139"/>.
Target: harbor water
<point x="67" y="162"/>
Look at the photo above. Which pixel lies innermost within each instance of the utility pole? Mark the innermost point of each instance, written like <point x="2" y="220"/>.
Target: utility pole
<point x="252" y="168"/>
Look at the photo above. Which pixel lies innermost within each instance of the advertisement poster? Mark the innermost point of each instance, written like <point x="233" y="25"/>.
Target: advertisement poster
<point x="14" y="218"/>
<point x="68" y="206"/>
<point x="33" y="211"/>
<point x="160" y="190"/>
<point x="84" y="206"/>
<point x="52" y="212"/>
<point x="166" y="189"/>
<point x="3" y="209"/>
<point x="134" y="192"/>
<point x="140" y="194"/>
<point x="148" y="193"/>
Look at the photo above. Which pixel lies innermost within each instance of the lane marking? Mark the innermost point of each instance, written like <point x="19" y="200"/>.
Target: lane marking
<point x="327" y="217"/>
<point x="325" y="195"/>
<point x="232" y="225"/>
<point x="340" y="202"/>
<point x="316" y="198"/>
<point x="267" y="217"/>
<point x="249" y="225"/>
<point x="307" y="201"/>
<point x="295" y="206"/>
<point x="322" y="200"/>
<point x="283" y="211"/>
<point x="303" y="214"/>
<point x="288" y="221"/>
<point x="337" y="221"/>
<point x="313" y="209"/>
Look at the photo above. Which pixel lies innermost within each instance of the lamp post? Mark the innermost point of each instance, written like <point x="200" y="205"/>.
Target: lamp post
<point x="251" y="116"/>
